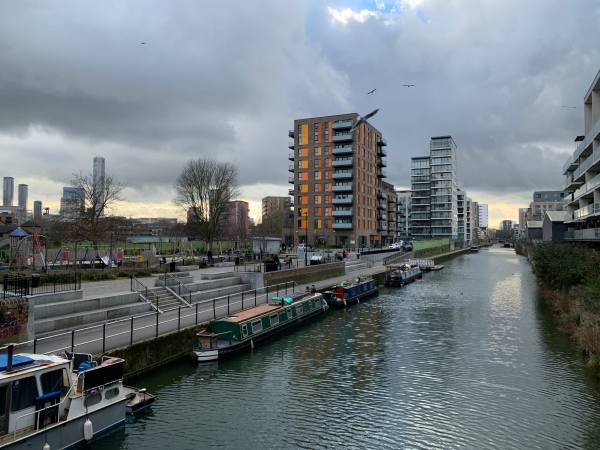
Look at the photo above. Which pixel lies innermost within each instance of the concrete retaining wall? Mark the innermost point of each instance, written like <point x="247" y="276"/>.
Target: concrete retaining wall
<point x="306" y="274"/>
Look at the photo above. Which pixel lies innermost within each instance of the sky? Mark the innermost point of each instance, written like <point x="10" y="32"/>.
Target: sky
<point x="226" y="80"/>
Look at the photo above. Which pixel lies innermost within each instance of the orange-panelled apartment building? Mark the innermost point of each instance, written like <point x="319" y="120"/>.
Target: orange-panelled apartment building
<point x="337" y="179"/>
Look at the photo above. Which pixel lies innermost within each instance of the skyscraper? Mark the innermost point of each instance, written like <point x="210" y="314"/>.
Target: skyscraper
<point x="8" y="191"/>
<point x="98" y="179"/>
<point x="23" y="193"/>
<point x="37" y="211"/>
<point x="72" y="202"/>
<point x="483" y="216"/>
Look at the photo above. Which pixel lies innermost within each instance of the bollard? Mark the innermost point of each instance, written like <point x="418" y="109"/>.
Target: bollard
<point x="196" y="313"/>
<point x="73" y="341"/>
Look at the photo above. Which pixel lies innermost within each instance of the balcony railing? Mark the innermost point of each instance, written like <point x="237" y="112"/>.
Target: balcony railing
<point x="342" y="150"/>
<point x="338" y="124"/>
<point x="342" y="162"/>
<point x="587" y="187"/>
<point x="291" y="192"/>
<point x="342" y="187"/>
<point x="291" y="145"/>
<point x="342" y="225"/>
<point x="587" y="140"/>
<point x="342" y="174"/>
<point x="291" y="133"/>
<point x="342" y="212"/>
<point x="291" y="156"/>
<point x="591" y="234"/>
<point x="291" y="180"/>
<point x="342" y="200"/>
<point x="291" y="168"/>
<point x="583" y="168"/>
<point x="381" y="152"/>
<point x="381" y="141"/>
<point x="382" y="174"/>
<point x="381" y="162"/>
<point x="340" y="137"/>
<point x="586" y="211"/>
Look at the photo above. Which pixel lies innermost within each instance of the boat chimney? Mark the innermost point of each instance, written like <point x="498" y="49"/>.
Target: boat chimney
<point x="9" y="357"/>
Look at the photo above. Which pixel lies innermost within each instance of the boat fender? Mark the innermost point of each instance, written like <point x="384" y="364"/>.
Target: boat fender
<point x="46" y="446"/>
<point x="345" y="304"/>
<point x="252" y="344"/>
<point x="88" y="430"/>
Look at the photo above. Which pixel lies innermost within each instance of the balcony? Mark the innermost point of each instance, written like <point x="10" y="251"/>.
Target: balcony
<point x="585" y="166"/>
<point x="342" y="150"/>
<point x="342" y="225"/>
<point x="586" y="189"/>
<point x="382" y="217"/>
<point x="342" y="200"/>
<point x="340" y="124"/>
<point x="342" y="137"/>
<point x="381" y="207"/>
<point x="569" y="165"/>
<point x="342" y="187"/>
<point x="291" y="168"/>
<point x="342" y="212"/>
<point x="381" y="141"/>
<point x="583" y="145"/>
<point x="291" y="156"/>
<point x="382" y="174"/>
<point x="591" y="234"/>
<point x="381" y="162"/>
<point x="291" y="133"/>
<point x="381" y="152"/>
<point x="342" y="162"/>
<point x="342" y="175"/>
<point x="291" y="180"/>
<point x="586" y="211"/>
<point x="291" y="192"/>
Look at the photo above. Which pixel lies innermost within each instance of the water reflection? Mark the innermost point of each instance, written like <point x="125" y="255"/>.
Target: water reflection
<point x="464" y="359"/>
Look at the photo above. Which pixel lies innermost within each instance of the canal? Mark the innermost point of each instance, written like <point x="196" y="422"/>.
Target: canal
<point x="466" y="358"/>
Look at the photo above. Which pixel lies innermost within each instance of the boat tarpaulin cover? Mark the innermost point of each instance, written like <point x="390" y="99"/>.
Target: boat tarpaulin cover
<point x="18" y="360"/>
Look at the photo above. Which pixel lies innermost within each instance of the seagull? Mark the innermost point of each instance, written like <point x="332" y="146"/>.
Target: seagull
<point x="408" y="85"/>
<point x="569" y="107"/>
<point x="370" y="92"/>
<point x="362" y="119"/>
<point x="142" y="43"/>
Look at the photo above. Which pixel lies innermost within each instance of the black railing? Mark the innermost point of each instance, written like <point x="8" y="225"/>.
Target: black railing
<point x="21" y="285"/>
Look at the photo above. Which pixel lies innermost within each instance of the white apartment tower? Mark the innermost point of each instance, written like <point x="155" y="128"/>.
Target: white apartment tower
<point x="98" y="178"/>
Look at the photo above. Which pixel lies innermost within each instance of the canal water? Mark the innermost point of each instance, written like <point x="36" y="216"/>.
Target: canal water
<point x="465" y="358"/>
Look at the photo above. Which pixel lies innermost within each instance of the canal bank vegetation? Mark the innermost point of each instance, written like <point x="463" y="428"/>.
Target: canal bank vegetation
<point x="570" y="283"/>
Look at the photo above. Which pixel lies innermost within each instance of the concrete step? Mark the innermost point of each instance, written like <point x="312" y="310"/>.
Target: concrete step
<point x="82" y="319"/>
<point x="57" y="297"/>
<point x="174" y="281"/>
<point x="65" y="307"/>
<point x="205" y="285"/>
<point x="213" y="293"/>
<point x="356" y="267"/>
<point x="216" y="275"/>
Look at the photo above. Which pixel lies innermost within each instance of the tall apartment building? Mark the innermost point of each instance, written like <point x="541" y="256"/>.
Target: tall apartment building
<point x="468" y="221"/>
<point x="337" y="177"/>
<point x="8" y="191"/>
<point x="482" y="214"/>
<point x="235" y="221"/>
<point x="403" y="214"/>
<point x="435" y="191"/>
<point x="23" y="191"/>
<point x="582" y="173"/>
<point x="272" y="204"/>
<point x="98" y="179"/>
<point x="72" y="202"/>
<point x="461" y="205"/>
<point x="546" y="201"/>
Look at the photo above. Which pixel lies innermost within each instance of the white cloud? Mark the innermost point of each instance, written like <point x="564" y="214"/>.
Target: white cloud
<point x="344" y="16"/>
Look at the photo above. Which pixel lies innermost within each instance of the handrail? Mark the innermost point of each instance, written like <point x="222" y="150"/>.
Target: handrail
<point x="179" y="285"/>
<point x="144" y="293"/>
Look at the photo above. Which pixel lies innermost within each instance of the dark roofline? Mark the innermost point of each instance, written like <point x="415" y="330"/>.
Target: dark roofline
<point x="433" y="138"/>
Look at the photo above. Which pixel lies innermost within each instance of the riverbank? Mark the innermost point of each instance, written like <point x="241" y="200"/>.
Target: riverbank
<point x="569" y="283"/>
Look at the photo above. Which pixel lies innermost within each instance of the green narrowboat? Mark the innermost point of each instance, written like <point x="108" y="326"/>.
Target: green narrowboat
<point x="246" y="328"/>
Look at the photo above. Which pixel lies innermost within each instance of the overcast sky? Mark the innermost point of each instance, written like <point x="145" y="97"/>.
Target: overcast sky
<point x="226" y="80"/>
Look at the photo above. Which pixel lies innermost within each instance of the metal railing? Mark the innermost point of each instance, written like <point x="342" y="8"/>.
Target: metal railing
<point x="146" y="294"/>
<point x="21" y="285"/>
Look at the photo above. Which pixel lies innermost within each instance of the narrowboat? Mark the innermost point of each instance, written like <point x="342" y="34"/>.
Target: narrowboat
<point x="474" y="249"/>
<point x="246" y="328"/>
<point x="350" y="292"/>
<point x="47" y="401"/>
<point x="399" y="275"/>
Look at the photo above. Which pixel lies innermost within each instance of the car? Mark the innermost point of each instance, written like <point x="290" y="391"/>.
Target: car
<point x="407" y="246"/>
<point x="396" y="246"/>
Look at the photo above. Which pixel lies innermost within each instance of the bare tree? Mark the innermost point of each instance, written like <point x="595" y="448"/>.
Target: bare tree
<point x="204" y="189"/>
<point x="98" y="199"/>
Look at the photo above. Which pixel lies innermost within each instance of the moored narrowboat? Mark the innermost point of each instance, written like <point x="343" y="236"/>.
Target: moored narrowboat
<point x="48" y="401"/>
<point x="399" y="275"/>
<point x="244" y="329"/>
<point x="350" y="292"/>
<point x="474" y="249"/>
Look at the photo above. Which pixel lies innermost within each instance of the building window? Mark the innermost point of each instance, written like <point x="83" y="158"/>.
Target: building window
<point x="326" y="131"/>
<point x="317" y="199"/>
<point x="318" y="151"/>
<point x="316" y="133"/>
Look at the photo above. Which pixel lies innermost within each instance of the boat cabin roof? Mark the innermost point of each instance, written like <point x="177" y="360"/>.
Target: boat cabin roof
<point x="250" y="313"/>
<point x="28" y="362"/>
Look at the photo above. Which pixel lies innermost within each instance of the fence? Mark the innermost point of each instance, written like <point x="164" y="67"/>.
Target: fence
<point x="98" y="339"/>
<point x="20" y="285"/>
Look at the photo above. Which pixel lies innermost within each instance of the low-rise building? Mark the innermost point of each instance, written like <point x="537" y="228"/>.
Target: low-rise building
<point x="554" y="226"/>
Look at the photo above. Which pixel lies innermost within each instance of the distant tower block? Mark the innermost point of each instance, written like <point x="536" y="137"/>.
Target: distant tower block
<point x="98" y="177"/>
<point x="8" y="191"/>
<point x="37" y="211"/>
<point x="23" y="193"/>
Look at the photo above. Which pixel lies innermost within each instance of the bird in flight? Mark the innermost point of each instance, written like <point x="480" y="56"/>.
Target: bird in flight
<point x="142" y="43"/>
<point x="408" y="85"/>
<point x="569" y="107"/>
<point x="362" y="119"/>
<point x="370" y="92"/>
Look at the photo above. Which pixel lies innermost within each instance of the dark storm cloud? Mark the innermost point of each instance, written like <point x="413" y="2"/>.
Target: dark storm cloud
<point x="226" y="79"/>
